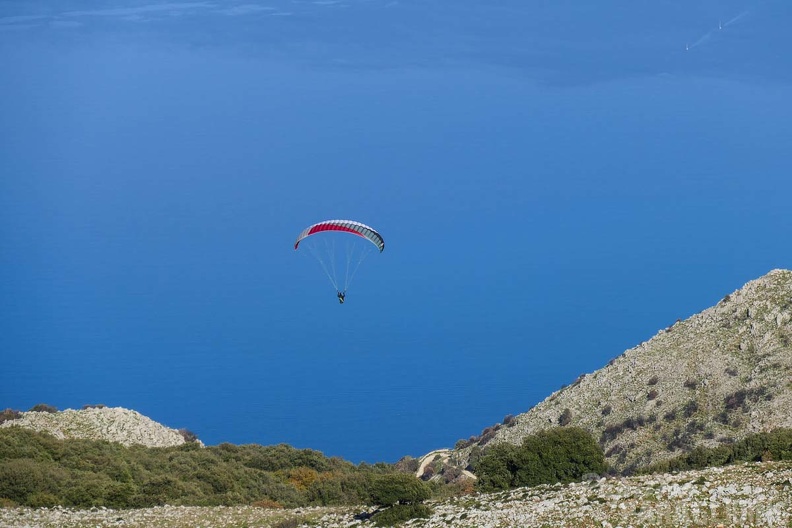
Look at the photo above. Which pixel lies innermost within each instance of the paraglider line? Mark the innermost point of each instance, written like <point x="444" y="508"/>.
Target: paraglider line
<point x="330" y="245"/>
<point x="349" y="253"/>
<point x="721" y="26"/>
<point x="315" y="253"/>
<point x="364" y="253"/>
<point x="735" y="19"/>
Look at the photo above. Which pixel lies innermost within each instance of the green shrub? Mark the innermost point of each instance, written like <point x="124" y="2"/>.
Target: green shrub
<point x="554" y="455"/>
<point x="462" y="443"/>
<point x="398" y="488"/>
<point x="277" y="457"/>
<point x="613" y="431"/>
<point x="43" y="407"/>
<point x="42" y="499"/>
<point x="20" y="479"/>
<point x="35" y="467"/>
<point x="86" y="492"/>
<point x="773" y="445"/>
<point x="401" y="513"/>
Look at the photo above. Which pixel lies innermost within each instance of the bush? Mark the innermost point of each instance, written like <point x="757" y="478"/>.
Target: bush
<point x="565" y="418"/>
<point x="613" y="431"/>
<point x="20" y="479"/>
<point x="398" y="488"/>
<point x="408" y="464"/>
<point x="555" y="455"/>
<point x="188" y="435"/>
<point x="9" y="414"/>
<point x="773" y="445"/>
<point x="744" y="397"/>
<point x="42" y="499"/>
<point x="487" y="435"/>
<point x="35" y="467"/>
<point x="277" y="457"/>
<point x="342" y="488"/>
<point x="43" y="407"/>
<point x="401" y="513"/>
<point x="461" y="444"/>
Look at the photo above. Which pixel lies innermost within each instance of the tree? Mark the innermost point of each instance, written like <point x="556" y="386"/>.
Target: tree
<point x="563" y="454"/>
<point x="399" y="498"/>
<point x="398" y="488"/>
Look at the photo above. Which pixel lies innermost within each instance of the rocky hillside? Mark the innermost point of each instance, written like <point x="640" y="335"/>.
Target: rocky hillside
<point x="747" y="495"/>
<point x="113" y="424"/>
<point x="712" y="378"/>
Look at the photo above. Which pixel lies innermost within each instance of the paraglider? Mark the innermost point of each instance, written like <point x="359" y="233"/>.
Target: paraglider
<point x="324" y="250"/>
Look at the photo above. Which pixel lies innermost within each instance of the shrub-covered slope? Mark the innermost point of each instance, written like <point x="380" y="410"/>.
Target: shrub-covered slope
<point x="746" y="495"/>
<point x="706" y="381"/>
<point x="37" y="469"/>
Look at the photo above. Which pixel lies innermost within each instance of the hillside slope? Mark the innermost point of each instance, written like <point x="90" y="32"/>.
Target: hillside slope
<point x="114" y="424"/>
<point x="747" y="495"/>
<point x="712" y="378"/>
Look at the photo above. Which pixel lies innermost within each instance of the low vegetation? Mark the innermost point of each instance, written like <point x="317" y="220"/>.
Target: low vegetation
<point x="37" y="469"/>
<point x="760" y="447"/>
<point x="563" y="454"/>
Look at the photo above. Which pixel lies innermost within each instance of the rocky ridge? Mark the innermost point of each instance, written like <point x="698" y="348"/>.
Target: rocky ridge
<point x="114" y="424"/>
<point x="712" y="378"/>
<point x="745" y="495"/>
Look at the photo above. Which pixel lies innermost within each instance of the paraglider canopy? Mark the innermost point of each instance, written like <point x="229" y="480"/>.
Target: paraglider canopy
<point x="348" y="226"/>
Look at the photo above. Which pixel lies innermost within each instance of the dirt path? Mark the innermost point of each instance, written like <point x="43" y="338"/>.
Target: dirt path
<point x="438" y="454"/>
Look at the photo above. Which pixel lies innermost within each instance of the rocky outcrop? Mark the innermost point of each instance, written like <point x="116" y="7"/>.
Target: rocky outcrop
<point x="114" y="424"/>
<point x="712" y="378"/>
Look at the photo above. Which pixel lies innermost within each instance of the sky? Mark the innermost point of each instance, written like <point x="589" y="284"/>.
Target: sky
<point x="555" y="182"/>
